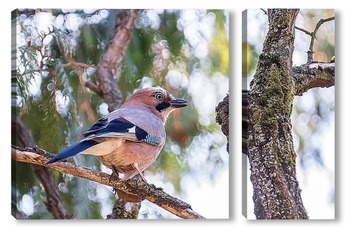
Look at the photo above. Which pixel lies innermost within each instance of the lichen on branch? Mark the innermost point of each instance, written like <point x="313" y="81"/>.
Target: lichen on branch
<point x="312" y="75"/>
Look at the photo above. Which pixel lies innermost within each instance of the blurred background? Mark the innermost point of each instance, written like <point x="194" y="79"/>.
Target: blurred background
<point x="184" y="51"/>
<point x="313" y="113"/>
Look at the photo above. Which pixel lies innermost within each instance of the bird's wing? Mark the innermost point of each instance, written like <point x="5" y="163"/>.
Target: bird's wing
<point x="108" y="135"/>
<point x="151" y="125"/>
<point x="103" y="125"/>
<point x="119" y="128"/>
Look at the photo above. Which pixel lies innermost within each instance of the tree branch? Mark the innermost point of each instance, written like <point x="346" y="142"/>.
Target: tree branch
<point x="112" y="58"/>
<point x="93" y="87"/>
<point x="75" y="64"/>
<point x="130" y="189"/>
<point x="305" y="77"/>
<point x="311" y="75"/>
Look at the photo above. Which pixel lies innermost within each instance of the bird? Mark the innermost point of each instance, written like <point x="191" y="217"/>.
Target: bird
<point x="129" y="139"/>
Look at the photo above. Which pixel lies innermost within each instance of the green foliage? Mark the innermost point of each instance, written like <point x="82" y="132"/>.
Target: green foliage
<point x="249" y="58"/>
<point x="219" y="45"/>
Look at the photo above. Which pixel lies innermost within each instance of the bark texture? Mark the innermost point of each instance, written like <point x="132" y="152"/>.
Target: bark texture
<point x="223" y="118"/>
<point x="270" y="145"/>
<point x="124" y="210"/>
<point x="314" y="74"/>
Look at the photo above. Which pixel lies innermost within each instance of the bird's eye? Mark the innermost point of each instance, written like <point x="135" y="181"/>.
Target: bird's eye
<point x="159" y="96"/>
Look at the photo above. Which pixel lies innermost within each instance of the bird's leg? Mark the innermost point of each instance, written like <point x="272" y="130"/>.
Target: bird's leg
<point x="136" y="167"/>
<point x="114" y="174"/>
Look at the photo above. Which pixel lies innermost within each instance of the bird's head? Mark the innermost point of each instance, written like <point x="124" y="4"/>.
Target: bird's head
<point x="155" y="99"/>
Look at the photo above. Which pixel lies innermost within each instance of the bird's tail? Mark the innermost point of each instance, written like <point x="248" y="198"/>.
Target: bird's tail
<point x="72" y="150"/>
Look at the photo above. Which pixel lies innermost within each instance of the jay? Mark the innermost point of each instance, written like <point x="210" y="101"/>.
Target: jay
<point x="129" y="139"/>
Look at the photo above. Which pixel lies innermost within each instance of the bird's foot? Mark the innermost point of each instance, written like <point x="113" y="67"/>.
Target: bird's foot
<point x="135" y="166"/>
<point x="114" y="175"/>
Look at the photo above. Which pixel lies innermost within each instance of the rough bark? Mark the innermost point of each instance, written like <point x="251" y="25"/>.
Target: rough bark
<point x="222" y="118"/>
<point x="124" y="210"/>
<point x="311" y="75"/>
<point x="270" y="146"/>
<point x="135" y="190"/>
<point x="245" y="98"/>
<point x="305" y="77"/>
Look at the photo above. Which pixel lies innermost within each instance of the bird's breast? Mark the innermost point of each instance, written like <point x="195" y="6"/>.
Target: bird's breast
<point x="129" y="153"/>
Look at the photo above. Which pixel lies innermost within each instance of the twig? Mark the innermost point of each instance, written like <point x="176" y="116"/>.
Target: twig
<point x="130" y="188"/>
<point x="303" y="30"/>
<point x="78" y="64"/>
<point x="93" y="87"/>
<point x="265" y="11"/>
<point x="310" y="52"/>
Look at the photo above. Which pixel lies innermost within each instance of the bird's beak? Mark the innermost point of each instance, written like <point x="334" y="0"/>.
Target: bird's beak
<point x="178" y="103"/>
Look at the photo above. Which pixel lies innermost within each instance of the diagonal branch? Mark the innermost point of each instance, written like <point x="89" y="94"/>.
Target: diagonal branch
<point x="129" y="189"/>
<point x="112" y="58"/>
<point x="311" y="75"/>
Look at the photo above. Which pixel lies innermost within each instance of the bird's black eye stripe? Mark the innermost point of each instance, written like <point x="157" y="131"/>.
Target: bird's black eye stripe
<point x="162" y="106"/>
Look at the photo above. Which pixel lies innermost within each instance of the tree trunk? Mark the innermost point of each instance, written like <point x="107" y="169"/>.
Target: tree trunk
<point x="270" y="145"/>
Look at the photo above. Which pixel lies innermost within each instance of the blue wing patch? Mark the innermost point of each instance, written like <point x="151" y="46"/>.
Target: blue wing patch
<point x="142" y="135"/>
